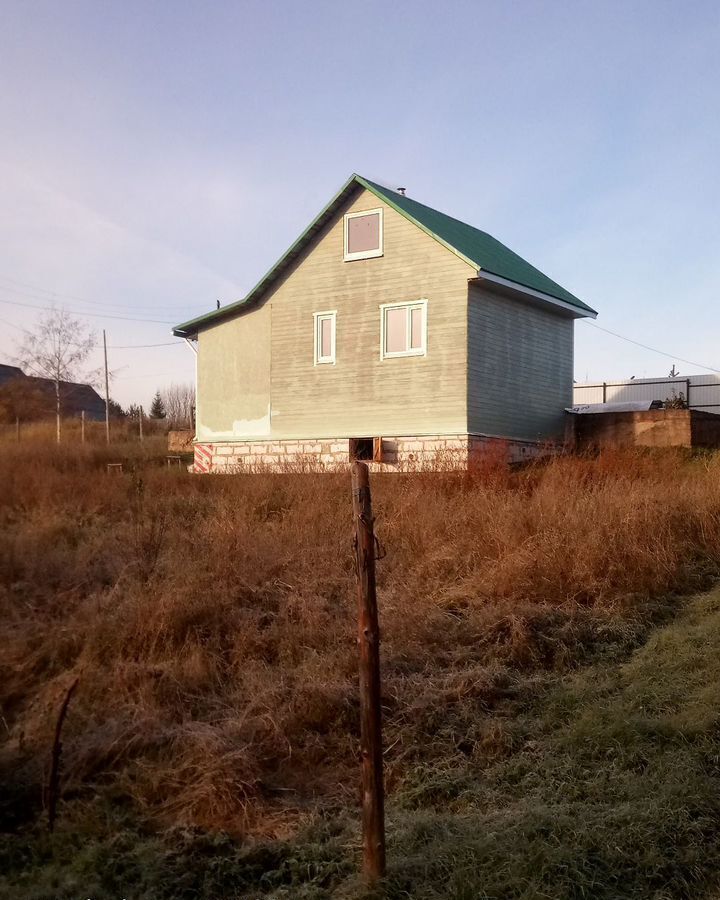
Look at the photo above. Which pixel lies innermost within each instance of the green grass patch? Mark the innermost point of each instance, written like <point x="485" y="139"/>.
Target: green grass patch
<point x="608" y="786"/>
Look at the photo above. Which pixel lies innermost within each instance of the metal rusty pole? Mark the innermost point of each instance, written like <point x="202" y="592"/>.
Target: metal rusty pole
<point x="373" y="802"/>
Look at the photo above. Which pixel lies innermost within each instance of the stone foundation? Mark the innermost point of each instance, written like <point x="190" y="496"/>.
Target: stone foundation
<point x="434" y="452"/>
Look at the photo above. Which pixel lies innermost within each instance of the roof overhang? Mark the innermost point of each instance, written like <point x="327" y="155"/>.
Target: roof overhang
<point x="504" y="285"/>
<point x="190" y="329"/>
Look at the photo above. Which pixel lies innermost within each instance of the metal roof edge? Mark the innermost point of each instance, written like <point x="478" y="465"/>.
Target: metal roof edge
<point x="192" y="326"/>
<point x="581" y="311"/>
<point x="381" y="195"/>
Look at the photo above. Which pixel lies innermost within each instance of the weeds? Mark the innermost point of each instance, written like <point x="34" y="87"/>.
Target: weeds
<point x="212" y="621"/>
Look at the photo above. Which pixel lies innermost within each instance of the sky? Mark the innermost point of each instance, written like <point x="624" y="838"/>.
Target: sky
<point x="156" y="157"/>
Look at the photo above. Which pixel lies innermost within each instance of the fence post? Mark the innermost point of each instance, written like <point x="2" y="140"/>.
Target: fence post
<point x="687" y="395"/>
<point x="373" y="801"/>
<point x="604" y="392"/>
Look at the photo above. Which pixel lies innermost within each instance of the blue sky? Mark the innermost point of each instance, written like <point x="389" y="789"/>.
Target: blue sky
<point x="155" y="157"/>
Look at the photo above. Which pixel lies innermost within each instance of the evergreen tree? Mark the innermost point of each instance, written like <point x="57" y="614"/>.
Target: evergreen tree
<point x="157" y="407"/>
<point x="116" y="411"/>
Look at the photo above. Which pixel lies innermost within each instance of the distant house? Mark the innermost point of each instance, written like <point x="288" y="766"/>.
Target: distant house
<point x="388" y="331"/>
<point x="8" y="373"/>
<point x="74" y="396"/>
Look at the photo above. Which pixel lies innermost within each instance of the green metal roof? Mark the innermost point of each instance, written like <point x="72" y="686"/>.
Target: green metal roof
<point x="478" y="249"/>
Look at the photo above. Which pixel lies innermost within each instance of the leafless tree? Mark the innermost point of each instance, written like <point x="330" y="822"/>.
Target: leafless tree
<point x="179" y="403"/>
<point x="58" y="349"/>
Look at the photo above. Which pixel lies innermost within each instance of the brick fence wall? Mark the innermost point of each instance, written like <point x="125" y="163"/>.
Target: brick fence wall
<point x="645" y="428"/>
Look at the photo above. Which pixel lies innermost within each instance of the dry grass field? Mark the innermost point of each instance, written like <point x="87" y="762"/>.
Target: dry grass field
<point x="550" y="711"/>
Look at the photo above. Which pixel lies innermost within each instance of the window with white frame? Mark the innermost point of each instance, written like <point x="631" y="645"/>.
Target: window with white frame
<point x="403" y="329"/>
<point x="324" y="337"/>
<point x="363" y="234"/>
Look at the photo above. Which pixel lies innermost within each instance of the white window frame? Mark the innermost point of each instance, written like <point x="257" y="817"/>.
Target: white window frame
<point x="362" y="254"/>
<point x="408" y="305"/>
<point x="318" y="317"/>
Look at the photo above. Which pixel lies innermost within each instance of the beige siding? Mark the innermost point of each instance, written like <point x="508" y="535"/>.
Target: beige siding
<point x="520" y="367"/>
<point x="362" y="394"/>
<point x="233" y="378"/>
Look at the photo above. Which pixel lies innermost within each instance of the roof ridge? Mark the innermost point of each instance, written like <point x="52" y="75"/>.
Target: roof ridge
<point x="479" y="249"/>
<point x="432" y="209"/>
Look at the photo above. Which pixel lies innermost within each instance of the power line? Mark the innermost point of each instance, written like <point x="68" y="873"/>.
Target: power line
<point x="653" y="349"/>
<point x="75" y="312"/>
<point x="113" y="347"/>
<point x="62" y="296"/>
<point x="16" y="327"/>
<point x="144" y="346"/>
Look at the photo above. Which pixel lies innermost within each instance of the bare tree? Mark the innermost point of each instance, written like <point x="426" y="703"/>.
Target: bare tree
<point x="179" y="403"/>
<point x="58" y="349"/>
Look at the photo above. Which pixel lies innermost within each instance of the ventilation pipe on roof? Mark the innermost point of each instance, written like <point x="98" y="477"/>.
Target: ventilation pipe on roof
<point x="401" y="191"/>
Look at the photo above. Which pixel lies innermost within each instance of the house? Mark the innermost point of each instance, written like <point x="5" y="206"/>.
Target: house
<point x="388" y="331"/>
<point x="9" y="373"/>
<point x="36" y="396"/>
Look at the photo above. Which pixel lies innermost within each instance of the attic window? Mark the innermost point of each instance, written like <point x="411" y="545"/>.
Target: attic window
<point x="363" y="234"/>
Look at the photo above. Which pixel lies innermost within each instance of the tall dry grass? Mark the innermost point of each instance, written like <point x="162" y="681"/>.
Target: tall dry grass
<point x="210" y="619"/>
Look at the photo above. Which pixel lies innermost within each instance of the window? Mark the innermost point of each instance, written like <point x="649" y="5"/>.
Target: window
<point x="366" y="448"/>
<point x="363" y="234"/>
<point x="403" y="329"/>
<point x="324" y="337"/>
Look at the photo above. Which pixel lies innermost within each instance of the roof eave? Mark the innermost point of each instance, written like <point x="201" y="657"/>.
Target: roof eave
<point x="581" y="311"/>
<point x="406" y="215"/>
<point x="191" y="327"/>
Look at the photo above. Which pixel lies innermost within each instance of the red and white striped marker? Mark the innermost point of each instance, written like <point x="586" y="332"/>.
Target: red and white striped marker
<point x="203" y="459"/>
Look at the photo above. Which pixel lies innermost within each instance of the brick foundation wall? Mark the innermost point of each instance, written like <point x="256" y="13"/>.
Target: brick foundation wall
<point x="400" y="454"/>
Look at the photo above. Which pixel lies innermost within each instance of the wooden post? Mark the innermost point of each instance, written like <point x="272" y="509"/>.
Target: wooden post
<point x="53" y="788"/>
<point x="82" y="426"/>
<point x="373" y="802"/>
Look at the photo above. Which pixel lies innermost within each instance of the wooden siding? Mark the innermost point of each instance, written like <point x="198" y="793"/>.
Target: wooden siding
<point x="520" y="367"/>
<point x="233" y="378"/>
<point x="361" y="394"/>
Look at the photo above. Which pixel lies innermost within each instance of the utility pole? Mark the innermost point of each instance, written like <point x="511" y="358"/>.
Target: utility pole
<point x="107" y="392"/>
<point x="373" y="799"/>
<point x="57" y="408"/>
